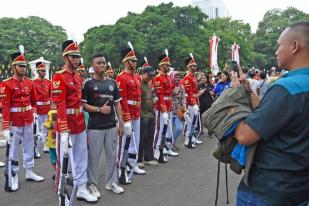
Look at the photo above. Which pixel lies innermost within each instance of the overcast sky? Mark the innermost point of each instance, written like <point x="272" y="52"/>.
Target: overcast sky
<point x="78" y="16"/>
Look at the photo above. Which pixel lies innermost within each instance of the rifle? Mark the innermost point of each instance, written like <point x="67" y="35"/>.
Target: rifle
<point x="36" y="139"/>
<point x="65" y="198"/>
<point x="190" y="144"/>
<point x="8" y="170"/>
<point x="124" y="162"/>
<point x="162" y="144"/>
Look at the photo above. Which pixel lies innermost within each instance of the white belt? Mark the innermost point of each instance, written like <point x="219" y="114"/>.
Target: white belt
<point x="135" y="103"/>
<point x="20" y="109"/>
<point x="43" y="103"/>
<point x="167" y="98"/>
<point x="74" y="110"/>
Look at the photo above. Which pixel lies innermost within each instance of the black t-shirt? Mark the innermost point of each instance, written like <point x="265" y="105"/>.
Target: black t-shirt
<point x="280" y="172"/>
<point x="205" y="99"/>
<point x="96" y="93"/>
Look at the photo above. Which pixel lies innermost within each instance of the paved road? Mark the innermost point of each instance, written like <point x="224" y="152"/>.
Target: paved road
<point x="188" y="180"/>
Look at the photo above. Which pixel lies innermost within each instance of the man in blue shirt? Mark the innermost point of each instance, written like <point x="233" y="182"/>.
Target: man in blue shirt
<point x="279" y="175"/>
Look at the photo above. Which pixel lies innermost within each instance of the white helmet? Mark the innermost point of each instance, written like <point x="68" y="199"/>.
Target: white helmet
<point x="91" y="70"/>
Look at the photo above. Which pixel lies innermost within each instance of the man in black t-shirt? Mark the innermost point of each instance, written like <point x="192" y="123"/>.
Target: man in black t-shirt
<point x="101" y="99"/>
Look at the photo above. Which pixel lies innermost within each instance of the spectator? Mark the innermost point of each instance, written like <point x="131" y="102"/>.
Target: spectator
<point x="204" y="89"/>
<point x="223" y="83"/>
<point x="279" y="174"/>
<point x="179" y="106"/>
<point x="254" y="84"/>
<point x="263" y="84"/>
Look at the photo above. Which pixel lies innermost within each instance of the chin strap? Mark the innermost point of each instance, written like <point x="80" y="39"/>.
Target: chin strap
<point x="69" y="61"/>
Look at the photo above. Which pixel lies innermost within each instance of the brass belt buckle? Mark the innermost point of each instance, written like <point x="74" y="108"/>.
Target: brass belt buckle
<point x="76" y="111"/>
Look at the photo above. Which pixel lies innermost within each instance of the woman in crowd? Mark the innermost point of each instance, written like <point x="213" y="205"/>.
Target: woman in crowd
<point x="223" y="83"/>
<point x="204" y="89"/>
<point x="179" y="106"/>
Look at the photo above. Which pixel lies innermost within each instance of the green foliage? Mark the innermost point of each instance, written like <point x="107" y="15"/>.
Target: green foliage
<point x="39" y="37"/>
<point x="180" y="29"/>
<point x="269" y="29"/>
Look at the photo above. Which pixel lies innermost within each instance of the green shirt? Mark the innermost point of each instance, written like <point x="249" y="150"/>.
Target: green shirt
<point x="147" y="105"/>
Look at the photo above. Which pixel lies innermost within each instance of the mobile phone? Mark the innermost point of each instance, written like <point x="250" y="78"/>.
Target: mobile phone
<point x="234" y="67"/>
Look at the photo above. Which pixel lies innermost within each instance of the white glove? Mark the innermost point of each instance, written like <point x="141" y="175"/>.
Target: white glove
<point x="7" y="136"/>
<point x="165" y="117"/>
<point x="195" y="109"/>
<point x="127" y="128"/>
<point x="65" y="142"/>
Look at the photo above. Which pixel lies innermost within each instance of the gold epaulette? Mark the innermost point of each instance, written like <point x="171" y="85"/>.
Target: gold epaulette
<point x="7" y="79"/>
<point x="60" y="71"/>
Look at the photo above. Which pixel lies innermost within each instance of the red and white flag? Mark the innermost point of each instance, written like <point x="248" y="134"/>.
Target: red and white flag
<point x="235" y="52"/>
<point x="213" y="60"/>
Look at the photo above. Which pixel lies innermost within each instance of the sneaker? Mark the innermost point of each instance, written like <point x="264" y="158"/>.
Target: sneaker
<point x="14" y="186"/>
<point x="31" y="176"/>
<point x="170" y="152"/>
<point x="151" y="163"/>
<point x="84" y="194"/>
<point x="45" y="149"/>
<point x="123" y="178"/>
<point x="138" y="171"/>
<point x="2" y="164"/>
<point x="157" y="156"/>
<point x="140" y="165"/>
<point x="115" y="188"/>
<point x="94" y="190"/>
<point x="197" y="141"/>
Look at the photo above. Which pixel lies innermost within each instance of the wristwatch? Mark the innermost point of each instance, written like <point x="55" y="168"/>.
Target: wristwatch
<point x="98" y="109"/>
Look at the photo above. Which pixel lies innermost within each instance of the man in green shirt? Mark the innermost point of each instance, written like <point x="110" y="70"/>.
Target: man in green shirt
<point x="145" y="153"/>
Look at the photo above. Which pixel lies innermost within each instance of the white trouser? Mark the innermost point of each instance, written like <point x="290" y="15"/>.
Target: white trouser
<point x="41" y="127"/>
<point x="159" y="129"/>
<point x="134" y="143"/>
<point x="78" y="156"/>
<point x="25" y="135"/>
<point x="189" y="124"/>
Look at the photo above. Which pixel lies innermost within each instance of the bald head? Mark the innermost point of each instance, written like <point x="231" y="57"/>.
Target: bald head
<point x="293" y="46"/>
<point x="300" y="31"/>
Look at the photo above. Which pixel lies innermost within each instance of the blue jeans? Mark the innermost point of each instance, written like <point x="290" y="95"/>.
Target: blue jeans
<point x="177" y="127"/>
<point x="249" y="199"/>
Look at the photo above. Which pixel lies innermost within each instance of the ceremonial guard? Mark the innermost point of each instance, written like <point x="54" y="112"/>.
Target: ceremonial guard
<point x="18" y="104"/>
<point x="163" y="89"/>
<point x="129" y="85"/>
<point x="66" y="93"/>
<point x="189" y="83"/>
<point x="109" y="71"/>
<point x="42" y="87"/>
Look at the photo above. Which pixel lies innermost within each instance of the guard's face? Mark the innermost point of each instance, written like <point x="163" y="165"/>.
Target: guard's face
<point x="99" y="65"/>
<point x="42" y="73"/>
<point x="74" y="60"/>
<point x="167" y="68"/>
<point x="193" y="68"/>
<point x="131" y="64"/>
<point x="20" y="70"/>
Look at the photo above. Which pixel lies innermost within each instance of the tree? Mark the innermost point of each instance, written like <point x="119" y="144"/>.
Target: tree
<point x="39" y="37"/>
<point x="269" y="29"/>
<point x="180" y="29"/>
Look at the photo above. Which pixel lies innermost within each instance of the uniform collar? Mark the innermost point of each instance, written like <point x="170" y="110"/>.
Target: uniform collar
<point x="68" y="69"/>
